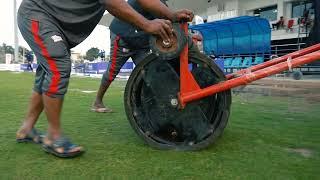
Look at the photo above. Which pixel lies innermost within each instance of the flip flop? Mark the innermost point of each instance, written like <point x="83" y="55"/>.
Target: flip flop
<point x="32" y="137"/>
<point x="66" y="145"/>
<point x="101" y="110"/>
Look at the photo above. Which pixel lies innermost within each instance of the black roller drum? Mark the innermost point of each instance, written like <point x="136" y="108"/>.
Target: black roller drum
<point x="151" y="104"/>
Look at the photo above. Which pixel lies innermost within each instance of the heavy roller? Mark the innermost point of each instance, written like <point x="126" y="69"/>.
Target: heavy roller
<point x="179" y="99"/>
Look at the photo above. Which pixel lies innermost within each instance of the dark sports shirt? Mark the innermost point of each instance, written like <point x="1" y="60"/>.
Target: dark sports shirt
<point x="75" y="18"/>
<point x="124" y="29"/>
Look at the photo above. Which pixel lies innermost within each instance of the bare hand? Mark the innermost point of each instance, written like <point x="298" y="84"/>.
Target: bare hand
<point x="183" y="15"/>
<point x="160" y="27"/>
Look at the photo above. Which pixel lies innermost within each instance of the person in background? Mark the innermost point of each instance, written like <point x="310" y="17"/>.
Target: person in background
<point x="305" y="20"/>
<point x="102" y="55"/>
<point x="29" y="58"/>
<point x="128" y="41"/>
<point x="314" y="36"/>
<point x="279" y="24"/>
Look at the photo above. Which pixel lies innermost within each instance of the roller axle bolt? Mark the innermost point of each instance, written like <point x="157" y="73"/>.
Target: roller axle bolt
<point x="174" y="134"/>
<point x="174" y="102"/>
<point x="166" y="43"/>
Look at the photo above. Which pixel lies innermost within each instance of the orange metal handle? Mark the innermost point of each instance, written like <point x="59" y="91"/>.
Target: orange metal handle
<point x="248" y="78"/>
<point x="187" y="81"/>
<point x="190" y="90"/>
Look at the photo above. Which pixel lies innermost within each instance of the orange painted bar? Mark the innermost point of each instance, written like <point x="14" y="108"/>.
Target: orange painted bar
<point x="187" y="81"/>
<point x="248" y="78"/>
<point x="276" y="61"/>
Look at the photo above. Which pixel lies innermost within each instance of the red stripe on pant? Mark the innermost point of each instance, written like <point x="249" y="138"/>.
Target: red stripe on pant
<point x="55" y="79"/>
<point x="114" y="59"/>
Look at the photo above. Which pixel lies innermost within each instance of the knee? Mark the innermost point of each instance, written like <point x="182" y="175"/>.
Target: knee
<point x="58" y="80"/>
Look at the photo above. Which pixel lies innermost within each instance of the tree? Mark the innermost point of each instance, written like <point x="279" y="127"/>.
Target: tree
<point x="8" y="49"/>
<point x="92" y="54"/>
<point x="4" y="49"/>
<point x="23" y="51"/>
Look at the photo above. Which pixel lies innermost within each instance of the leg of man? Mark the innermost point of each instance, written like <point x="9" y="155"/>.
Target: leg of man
<point x="35" y="107"/>
<point x="54" y="58"/>
<point x="34" y="110"/>
<point x="120" y="54"/>
<point x="53" y="108"/>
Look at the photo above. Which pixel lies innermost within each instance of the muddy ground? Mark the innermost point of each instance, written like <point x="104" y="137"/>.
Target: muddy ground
<point x="308" y="88"/>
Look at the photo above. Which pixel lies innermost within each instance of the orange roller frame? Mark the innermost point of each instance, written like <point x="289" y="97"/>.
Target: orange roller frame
<point x="190" y="90"/>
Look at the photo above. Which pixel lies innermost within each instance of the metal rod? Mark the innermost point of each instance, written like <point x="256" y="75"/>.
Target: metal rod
<point x="248" y="78"/>
<point x="276" y="61"/>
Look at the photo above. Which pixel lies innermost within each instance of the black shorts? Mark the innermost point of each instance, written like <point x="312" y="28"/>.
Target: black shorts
<point x="121" y="51"/>
<point x="53" y="54"/>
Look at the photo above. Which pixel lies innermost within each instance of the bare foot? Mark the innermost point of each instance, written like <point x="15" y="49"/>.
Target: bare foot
<point x="100" y="108"/>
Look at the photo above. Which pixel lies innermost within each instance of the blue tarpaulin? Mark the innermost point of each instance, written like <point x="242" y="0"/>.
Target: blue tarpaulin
<point x="241" y="35"/>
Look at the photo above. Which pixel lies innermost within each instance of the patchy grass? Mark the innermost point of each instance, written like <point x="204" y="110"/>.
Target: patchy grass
<point x="266" y="138"/>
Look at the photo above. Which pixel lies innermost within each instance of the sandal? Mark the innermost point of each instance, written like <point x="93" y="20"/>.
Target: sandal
<point x="101" y="109"/>
<point x="61" y="148"/>
<point x="33" y="136"/>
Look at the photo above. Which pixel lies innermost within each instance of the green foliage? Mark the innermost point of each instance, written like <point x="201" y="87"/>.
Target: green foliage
<point x="5" y="49"/>
<point x="92" y="54"/>
<point x="255" y="145"/>
<point x="23" y="51"/>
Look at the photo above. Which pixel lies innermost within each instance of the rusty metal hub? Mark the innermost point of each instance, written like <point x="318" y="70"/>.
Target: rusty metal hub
<point x="169" y="49"/>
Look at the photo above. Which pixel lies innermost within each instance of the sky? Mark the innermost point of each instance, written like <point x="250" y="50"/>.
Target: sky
<point x="99" y="38"/>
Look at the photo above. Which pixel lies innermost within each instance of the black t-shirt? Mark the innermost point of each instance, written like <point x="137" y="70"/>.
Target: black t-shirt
<point x="75" y="18"/>
<point x="134" y="36"/>
<point x="124" y="29"/>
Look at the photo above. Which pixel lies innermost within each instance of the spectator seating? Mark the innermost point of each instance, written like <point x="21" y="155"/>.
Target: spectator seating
<point x="290" y="25"/>
<point x="227" y="62"/>
<point x="258" y="60"/>
<point x="247" y="62"/>
<point x="242" y="63"/>
<point x="236" y="62"/>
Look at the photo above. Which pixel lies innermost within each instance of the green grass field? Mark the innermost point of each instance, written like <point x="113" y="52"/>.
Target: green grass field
<point x="266" y="138"/>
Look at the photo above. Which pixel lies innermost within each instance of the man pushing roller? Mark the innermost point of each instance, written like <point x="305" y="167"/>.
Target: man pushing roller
<point x="130" y="41"/>
<point x="52" y="28"/>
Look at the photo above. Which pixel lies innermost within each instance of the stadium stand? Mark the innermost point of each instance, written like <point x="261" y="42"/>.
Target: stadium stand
<point x="236" y="62"/>
<point x="247" y="62"/>
<point x="258" y="60"/>
<point x="227" y="63"/>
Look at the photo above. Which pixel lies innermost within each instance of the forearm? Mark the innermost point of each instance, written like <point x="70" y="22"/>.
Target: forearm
<point x="158" y="8"/>
<point x="122" y="10"/>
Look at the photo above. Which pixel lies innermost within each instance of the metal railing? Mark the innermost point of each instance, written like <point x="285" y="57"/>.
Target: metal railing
<point x="283" y="49"/>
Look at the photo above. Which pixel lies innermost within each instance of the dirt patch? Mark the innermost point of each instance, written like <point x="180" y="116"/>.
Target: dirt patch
<point x="307" y="89"/>
<point x="307" y="153"/>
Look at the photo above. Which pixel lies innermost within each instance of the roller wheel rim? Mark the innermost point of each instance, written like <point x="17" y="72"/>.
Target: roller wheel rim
<point x="133" y="94"/>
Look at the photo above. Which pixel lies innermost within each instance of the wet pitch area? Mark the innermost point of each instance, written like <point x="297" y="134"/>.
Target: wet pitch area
<point x="306" y="89"/>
